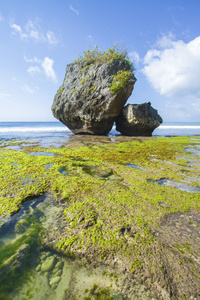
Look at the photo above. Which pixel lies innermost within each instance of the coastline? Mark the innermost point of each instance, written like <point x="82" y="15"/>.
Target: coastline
<point x="117" y="214"/>
<point x="42" y="130"/>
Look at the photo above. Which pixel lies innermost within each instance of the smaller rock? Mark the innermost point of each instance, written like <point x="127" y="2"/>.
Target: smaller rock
<point x="43" y="256"/>
<point x="114" y="178"/>
<point x="59" y="273"/>
<point x="59" y="265"/>
<point x="46" y="274"/>
<point x="55" y="280"/>
<point x="138" y="120"/>
<point x="48" y="264"/>
<point x="38" y="268"/>
<point x="54" y="286"/>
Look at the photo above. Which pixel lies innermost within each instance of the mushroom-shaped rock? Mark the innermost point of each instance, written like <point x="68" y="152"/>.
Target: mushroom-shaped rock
<point x="138" y="120"/>
<point x="93" y="94"/>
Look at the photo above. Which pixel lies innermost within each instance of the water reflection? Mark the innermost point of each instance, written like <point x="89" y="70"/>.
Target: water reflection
<point x="42" y="153"/>
<point x="181" y="186"/>
<point x="136" y="167"/>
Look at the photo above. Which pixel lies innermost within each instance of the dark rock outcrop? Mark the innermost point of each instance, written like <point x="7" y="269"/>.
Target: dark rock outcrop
<point x="85" y="102"/>
<point x="138" y="120"/>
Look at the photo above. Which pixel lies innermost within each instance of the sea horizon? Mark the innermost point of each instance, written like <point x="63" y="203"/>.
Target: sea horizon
<point x="56" y="130"/>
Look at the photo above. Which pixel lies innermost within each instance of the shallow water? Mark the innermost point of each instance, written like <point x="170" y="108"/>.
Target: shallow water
<point x="62" y="171"/>
<point x="49" y="273"/>
<point x="193" y="151"/>
<point x="41" y="285"/>
<point x="42" y="153"/>
<point x="136" y="167"/>
<point x="181" y="186"/>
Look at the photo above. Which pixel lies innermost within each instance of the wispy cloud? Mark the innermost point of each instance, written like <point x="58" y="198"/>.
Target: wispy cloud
<point x="33" y="70"/>
<point x="90" y="37"/>
<point x="32" y="60"/>
<point x="47" y="66"/>
<point x="26" y="88"/>
<point x="32" y="31"/>
<point x="4" y="95"/>
<point x="39" y="66"/>
<point x="51" y="37"/>
<point x="74" y="10"/>
<point x="134" y="57"/>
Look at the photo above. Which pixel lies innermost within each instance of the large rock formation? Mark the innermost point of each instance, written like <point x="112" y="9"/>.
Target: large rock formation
<point x="138" y="120"/>
<point x="93" y="94"/>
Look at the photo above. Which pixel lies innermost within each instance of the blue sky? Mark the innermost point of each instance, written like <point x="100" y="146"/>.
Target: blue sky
<point x="39" y="38"/>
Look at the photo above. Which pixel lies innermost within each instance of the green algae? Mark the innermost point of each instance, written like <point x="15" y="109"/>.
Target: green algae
<point x="114" y="209"/>
<point x="120" y="81"/>
<point x="85" y="167"/>
<point x="97" y="293"/>
<point x="16" y="258"/>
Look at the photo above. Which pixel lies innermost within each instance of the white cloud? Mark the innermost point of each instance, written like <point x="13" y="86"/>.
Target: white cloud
<point x="17" y="29"/>
<point x="26" y="88"/>
<point x="41" y="66"/>
<point x="47" y="66"/>
<point x="90" y="37"/>
<point x="32" y="60"/>
<point x="174" y="70"/>
<point x="32" y="31"/>
<point x="74" y="10"/>
<point x="134" y="57"/>
<point x="33" y="70"/>
<point x="4" y="95"/>
<point x="166" y="41"/>
<point x="51" y="38"/>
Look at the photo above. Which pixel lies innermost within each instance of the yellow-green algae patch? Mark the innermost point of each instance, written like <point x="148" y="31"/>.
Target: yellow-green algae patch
<point x="115" y="212"/>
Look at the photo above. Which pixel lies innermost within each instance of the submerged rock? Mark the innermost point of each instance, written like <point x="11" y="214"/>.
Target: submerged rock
<point x="48" y="264"/>
<point x="93" y="93"/>
<point x="138" y="120"/>
<point x="55" y="280"/>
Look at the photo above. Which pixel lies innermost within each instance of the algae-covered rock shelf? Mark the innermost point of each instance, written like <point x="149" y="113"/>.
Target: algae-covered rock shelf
<point x="105" y="212"/>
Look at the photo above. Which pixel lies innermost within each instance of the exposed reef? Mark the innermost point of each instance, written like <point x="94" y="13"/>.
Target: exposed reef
<point x="105" y="210"/>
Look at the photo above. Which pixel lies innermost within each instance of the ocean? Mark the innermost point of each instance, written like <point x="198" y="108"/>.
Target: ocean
<point x="56" y="132"/>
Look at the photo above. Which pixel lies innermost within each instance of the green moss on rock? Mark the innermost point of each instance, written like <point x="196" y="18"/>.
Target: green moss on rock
<point x="120" y="81"/>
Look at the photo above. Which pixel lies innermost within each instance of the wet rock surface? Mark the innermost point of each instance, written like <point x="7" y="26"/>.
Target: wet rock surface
<point x="85" y="103"/>
<point x="138" y="120"/>
<point x="180" y="236"/>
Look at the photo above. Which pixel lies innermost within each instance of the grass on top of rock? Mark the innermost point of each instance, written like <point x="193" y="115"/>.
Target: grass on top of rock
<point x="96" y="56"/>
<point x="114" y="209"/>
